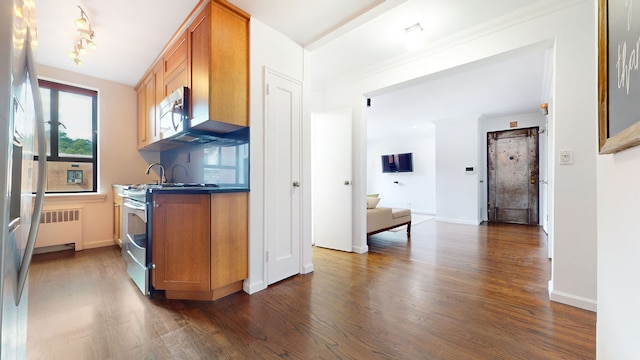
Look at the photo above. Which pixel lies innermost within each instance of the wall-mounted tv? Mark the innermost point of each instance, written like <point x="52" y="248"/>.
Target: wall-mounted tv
<point x="397" y="163"/>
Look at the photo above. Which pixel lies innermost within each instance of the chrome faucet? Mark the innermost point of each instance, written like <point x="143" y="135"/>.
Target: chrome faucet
<point x="163" y="179"/>
<point x="173" y="172"/>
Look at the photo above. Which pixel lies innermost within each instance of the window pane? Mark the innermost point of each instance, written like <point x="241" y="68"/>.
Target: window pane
<point x="65" y="176"/>
<point x="74" y="133"/>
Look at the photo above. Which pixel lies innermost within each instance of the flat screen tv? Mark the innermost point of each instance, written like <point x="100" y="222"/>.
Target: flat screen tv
<point x="397" y="163"/>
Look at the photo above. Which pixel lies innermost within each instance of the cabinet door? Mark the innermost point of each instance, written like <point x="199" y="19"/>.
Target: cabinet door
<point x="146" y="110"/>
<point x="176" y="56"/>
<point x="176" y="72"/>
<point x="229" y="238"/>
<point x="117" y="218"/>
<point x="180" y="242"/>
<point x="142" y="116"/>
<point x="177" y="79"/>
<point x="158" y="77"/>
<point x="229" y="66"/>
<point x="199" y="40"/>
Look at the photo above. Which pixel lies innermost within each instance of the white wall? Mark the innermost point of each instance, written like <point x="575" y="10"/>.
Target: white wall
<point x="456" y="190"/>
<point x="415" y="190"/>
<point x="273" y="50"/>
<point x="618" y="326"/>
<point x="570" y="26"/>
<point x="118" y="159"/>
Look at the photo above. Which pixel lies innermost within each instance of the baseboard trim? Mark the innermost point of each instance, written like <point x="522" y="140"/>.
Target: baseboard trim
<point x="96" y="244"/>
<point x="307" y="268"/>
<point x="252" y="288"/>
<point x="572" y="300"/>
<point x="360" y="249"/>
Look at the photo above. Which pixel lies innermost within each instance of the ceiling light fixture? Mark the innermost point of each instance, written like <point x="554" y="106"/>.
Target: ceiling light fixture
<point x="413" y="39"/>
<point x="86" y="37"/>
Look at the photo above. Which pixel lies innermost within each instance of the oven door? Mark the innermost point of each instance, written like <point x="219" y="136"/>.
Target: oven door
<point x="134" y="243"/>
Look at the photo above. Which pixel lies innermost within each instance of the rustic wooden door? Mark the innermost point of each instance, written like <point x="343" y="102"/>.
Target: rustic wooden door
<point x="513" y="176"/>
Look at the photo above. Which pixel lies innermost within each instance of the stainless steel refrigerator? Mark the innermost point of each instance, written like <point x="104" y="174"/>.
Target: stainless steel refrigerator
<point x="22" y="179"/>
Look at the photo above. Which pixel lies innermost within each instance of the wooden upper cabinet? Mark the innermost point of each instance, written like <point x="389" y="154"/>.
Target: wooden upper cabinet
<point x="181" y="249"/>
<point x="149" y="94"/>
<point x="211" y="58"/>
<point x="177" y="55"/>
<point x="146" y="110"/>
<point x="142" y="117"/>
<point x="158" y="77"/>
<point x="199" y="57"/>
<point x="219" y="57"/>
<point x="176" y="66"/>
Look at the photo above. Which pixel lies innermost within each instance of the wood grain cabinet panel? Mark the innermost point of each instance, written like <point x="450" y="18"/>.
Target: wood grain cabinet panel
<point x="229" y="239"/>
<point x="210" y="56"/>
<point x="176" y="56"/>
<point x="181" y="244"/>
<point x="117" y="216"/>
<point x="219" y="58"/>
<point x="149" y="94"/>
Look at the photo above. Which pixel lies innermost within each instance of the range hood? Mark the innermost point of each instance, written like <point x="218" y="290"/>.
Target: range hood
<point x="177" y="129"/>
<point x="238" y="135"/>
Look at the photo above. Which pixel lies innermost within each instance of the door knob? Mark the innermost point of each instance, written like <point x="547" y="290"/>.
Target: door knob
<point x="347" y="182"/>
<point x="296" y="184"/>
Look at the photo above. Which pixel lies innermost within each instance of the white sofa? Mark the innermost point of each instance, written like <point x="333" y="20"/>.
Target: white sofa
<point x="383" y="218"/>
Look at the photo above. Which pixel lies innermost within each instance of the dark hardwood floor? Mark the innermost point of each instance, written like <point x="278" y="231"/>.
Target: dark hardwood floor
<point x="452" y="292"/>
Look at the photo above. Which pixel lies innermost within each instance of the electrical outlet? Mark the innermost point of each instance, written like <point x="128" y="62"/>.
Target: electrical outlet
<point x="566" y="157"/>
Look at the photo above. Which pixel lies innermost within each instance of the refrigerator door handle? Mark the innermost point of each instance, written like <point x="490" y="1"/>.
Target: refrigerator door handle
<point x="42" y="169"/>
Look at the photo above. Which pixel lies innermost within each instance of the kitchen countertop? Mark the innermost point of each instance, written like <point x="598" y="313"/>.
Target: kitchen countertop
<point x="197" y="190"/>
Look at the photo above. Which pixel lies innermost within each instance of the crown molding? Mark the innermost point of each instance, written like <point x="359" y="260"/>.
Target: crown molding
<point x="523" y="15"/>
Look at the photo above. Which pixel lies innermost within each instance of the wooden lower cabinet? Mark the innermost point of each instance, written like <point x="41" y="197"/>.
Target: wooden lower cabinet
<point x="180" y="244"/>
<point x="229" y="242"/>
<point x="200" y="244"/>
<point x="117" y="216"/>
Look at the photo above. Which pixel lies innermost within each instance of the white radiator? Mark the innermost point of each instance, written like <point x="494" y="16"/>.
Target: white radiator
<point x="60" y="227"/>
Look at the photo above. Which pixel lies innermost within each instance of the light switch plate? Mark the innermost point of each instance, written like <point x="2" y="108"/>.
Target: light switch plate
<point x="566" y="157"/>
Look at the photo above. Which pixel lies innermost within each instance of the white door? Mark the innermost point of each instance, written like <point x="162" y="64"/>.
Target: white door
<point x="282" y="176"/>
<point x="332" y="174"/>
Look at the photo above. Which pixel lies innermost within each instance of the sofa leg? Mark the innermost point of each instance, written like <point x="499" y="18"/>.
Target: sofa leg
<point x="409" y="231"/>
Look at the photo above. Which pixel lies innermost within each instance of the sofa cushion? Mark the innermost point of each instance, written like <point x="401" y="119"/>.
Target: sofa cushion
<point x="398" y="213"/>
<point x="372" y="202"/>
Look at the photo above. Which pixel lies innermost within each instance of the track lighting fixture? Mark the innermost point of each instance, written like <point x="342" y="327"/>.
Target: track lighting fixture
<point x="86" y="37"/>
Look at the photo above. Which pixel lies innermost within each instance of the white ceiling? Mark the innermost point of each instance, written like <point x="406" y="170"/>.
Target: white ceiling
<point x="344" y="37"/>
<point x="510" y="84"/>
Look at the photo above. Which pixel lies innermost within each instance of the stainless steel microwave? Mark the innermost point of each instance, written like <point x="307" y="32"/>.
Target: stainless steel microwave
<point x="174" y="113"/>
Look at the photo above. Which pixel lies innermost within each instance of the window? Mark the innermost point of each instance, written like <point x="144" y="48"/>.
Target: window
<point x="227" y="165"/>
<point x="70" y="115"/>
